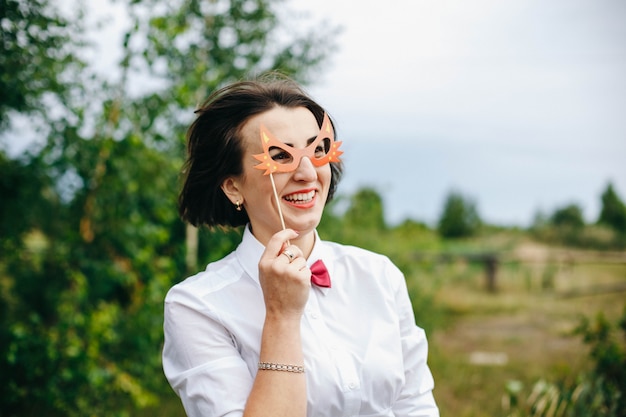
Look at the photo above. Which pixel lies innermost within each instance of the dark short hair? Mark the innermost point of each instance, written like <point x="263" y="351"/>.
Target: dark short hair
<point x="215" y="150"/>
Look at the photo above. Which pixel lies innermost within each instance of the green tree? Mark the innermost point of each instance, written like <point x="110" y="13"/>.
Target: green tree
<point x="36" y="54"/>
<point x="459" y="217"/>
<point x="569" y="216"/>
<point x="613" y="212"/>
<point x="366" y="210"/>
<point x="81" y="289"/>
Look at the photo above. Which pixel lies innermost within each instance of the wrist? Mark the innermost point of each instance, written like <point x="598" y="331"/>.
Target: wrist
<point x="282" y="319"/>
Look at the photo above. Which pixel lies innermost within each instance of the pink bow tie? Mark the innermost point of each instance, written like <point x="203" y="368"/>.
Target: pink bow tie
<point x="319" y="274"/>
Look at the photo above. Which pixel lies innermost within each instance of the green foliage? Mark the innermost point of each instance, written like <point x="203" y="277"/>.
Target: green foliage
<point x="613" y="212"/>
<point x="599" y="237"/>
<point x="583" y="399"/>
<point x="608" y="351"/>
<point x="37" y="49"/>
<point x="566" y="226"/>
<point x="601" y="393"/>
<point x="569" y="216"/>
<point x="89" y="236"/>
<point x="197" y="46"/>
<point x="20" y="187"/>
<point x="83" y="294"/>
<point x="366" y="210"/>
<point x="459" y="217"/>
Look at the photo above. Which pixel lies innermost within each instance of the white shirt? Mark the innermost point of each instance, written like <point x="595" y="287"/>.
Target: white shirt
<point x="363" y="353"/>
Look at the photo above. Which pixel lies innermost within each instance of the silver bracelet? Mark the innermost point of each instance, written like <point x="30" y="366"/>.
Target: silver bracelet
<point x="268" y="366"/>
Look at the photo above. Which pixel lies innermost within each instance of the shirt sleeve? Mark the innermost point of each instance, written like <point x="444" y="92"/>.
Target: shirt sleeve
<point x="416" y="398"/>
<point x="201" y="360"/>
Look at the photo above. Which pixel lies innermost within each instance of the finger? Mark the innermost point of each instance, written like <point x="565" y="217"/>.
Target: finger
<point x="294" y="250"/>
<point x="288" y="254"/>
<point x="299" y="264"/>
<point x="278" y="241"/>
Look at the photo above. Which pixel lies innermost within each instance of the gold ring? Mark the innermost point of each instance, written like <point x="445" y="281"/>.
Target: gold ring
<point x="289" y="255"/>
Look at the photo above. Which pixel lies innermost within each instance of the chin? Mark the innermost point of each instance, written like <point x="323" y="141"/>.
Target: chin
<point x="304" y="226"/>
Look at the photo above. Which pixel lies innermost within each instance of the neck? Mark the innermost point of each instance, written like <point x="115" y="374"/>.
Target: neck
<point x="305" y="243"/>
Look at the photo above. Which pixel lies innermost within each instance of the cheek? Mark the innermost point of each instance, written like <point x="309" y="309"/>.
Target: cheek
<point x="326" y="174"/>
<point x="256" y="183"/>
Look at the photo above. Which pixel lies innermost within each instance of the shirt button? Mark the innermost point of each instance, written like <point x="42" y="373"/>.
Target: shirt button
<point x="352" y="385"/>
<point x="314" y="315"/>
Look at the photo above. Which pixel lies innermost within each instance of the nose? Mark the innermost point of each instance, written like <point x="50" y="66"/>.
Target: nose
<point x="305" y="171"/>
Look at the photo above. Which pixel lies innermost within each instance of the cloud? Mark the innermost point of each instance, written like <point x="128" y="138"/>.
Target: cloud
<point x="525" y="94"/>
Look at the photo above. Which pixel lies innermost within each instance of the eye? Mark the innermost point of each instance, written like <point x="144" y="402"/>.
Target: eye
<point x="322" y="149"/>
<point x="280" y="155"/>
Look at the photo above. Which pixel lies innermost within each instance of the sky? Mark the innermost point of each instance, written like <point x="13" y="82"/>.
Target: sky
<point x="518" y="105"/>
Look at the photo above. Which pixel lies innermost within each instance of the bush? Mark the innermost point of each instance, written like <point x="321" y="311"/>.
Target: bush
<point x="598" y="237"/>
<point x="600" y="393"/>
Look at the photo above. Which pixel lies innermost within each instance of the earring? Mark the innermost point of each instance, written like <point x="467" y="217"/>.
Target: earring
<point x="238" y="206"/>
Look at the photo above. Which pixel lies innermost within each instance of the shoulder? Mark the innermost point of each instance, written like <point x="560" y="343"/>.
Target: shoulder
<point x="217" y="276"/>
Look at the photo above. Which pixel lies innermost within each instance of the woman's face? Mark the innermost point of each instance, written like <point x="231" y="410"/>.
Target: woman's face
<point x="302" y="193"/>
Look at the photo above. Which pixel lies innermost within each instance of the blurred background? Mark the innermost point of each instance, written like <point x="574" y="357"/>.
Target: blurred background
<point x="484" y="150"/>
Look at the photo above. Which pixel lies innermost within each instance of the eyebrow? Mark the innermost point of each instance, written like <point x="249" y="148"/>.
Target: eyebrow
<point x="308" y="141"/>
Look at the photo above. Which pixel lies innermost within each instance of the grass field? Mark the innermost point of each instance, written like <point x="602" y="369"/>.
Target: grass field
<point x="522" y="332"/>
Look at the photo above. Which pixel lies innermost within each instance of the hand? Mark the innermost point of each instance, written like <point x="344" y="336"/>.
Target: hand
<point x="284" y="276"/>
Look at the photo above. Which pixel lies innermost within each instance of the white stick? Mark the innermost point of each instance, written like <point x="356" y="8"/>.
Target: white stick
<point x="280" y="212"/>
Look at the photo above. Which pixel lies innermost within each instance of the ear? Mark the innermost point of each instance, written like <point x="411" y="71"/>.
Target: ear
<point x="231" y="188"/>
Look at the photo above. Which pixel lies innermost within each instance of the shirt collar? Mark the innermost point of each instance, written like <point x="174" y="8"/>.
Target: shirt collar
<point x="249" y="253"/>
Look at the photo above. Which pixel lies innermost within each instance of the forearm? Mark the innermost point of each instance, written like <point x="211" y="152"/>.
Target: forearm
<point x="279" y="393"/>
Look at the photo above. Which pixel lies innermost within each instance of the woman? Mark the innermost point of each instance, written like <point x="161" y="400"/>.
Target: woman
<point x="252" y="335"/>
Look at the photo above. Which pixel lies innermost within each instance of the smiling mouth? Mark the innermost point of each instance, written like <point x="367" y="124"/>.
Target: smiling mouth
<point x="300" y="198"/>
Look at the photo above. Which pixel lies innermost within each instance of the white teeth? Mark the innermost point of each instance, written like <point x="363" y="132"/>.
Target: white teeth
<point x="301" y="197"/>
